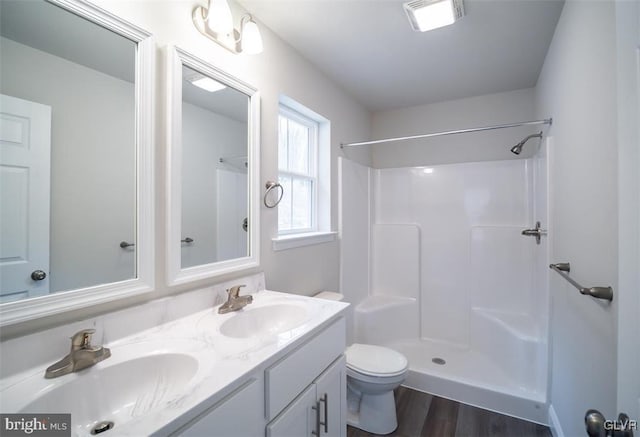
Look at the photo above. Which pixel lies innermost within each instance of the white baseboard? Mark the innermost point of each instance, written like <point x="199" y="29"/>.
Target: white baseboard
<point x="554" y="423"/>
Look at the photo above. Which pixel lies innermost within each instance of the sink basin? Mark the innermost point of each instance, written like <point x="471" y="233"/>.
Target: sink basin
<point x="116" y="393"/>
<point x="265" y="320"/>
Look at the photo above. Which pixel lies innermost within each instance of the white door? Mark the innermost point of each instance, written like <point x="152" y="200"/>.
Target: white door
<point x="25" y="153"/>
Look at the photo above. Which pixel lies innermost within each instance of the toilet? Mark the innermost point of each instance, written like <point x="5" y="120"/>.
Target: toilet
<point x="373" y="372"/>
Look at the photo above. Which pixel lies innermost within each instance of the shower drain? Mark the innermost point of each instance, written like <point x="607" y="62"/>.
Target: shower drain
<point x="438" y="361"/>
<point x="102" y="427"/>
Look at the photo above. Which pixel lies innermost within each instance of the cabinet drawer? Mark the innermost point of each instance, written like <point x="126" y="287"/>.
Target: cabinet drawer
<point x="291" y="375"/>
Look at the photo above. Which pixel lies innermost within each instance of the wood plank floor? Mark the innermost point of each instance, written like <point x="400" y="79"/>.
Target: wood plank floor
<point x="424" y="415"/>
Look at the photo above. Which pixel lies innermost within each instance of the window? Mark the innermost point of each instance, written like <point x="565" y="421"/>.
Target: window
<point x="297" y="172"/>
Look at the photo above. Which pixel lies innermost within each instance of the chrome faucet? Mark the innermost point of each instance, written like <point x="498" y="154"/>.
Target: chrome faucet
<point x="82" y="355"/>
<point x="235" y="302"/>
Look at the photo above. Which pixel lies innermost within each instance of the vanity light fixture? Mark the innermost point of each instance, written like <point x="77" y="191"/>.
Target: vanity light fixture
<point x="216" y="23"/>
<point x="431" y="14"/>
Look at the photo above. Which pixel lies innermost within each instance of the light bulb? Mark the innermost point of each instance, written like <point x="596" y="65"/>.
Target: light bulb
<point x="251" y="38"/>
<point x="219" y="18"/>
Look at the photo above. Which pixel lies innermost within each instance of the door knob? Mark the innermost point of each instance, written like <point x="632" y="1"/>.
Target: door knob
<point x="598" y="426"/>
<point x="38" y="275"/>
<point x="594" y="422"/>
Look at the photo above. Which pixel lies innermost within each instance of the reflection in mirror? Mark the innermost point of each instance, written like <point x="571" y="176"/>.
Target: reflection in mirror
<point x="214" y="171"/>
<point x="70" y="151"/>
<point x="213" y="162"/>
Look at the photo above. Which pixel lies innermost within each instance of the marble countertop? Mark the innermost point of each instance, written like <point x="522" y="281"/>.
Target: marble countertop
<point x="206" y="366"/>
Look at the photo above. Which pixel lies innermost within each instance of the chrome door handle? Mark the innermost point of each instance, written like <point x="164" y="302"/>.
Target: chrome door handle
<point x="536" y="232"/>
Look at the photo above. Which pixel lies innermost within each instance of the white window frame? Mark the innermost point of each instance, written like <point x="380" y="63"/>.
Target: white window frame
<point x="313" y="174"/>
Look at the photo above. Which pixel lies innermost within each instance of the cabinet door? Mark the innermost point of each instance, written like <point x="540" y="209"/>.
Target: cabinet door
<point x="298" y="419"/>
<point x="240" y="414"/>
<point x="331" y="392"/>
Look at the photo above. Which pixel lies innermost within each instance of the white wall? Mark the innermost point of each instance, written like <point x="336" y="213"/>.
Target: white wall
<point x="577" y="87"/>
<point x="488" y="110"/>
<point x="206" y="136"/>
<point x="92" y="163"/>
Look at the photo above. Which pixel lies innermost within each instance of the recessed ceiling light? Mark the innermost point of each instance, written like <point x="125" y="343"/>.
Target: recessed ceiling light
<point x="430" y="14"/>
<point x="208" y="84"/>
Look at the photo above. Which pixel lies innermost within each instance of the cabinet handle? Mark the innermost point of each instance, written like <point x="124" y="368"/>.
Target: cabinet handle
<point x="325" y="399"/>
<point x="316" y="407"/>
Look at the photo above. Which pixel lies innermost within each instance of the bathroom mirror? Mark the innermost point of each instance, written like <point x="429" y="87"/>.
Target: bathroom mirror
<point x="76" y="124"/>
<point x="213" y="171"/>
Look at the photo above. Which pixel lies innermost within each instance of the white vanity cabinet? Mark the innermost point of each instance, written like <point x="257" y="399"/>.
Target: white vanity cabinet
<point x="240" y="413"/>
<point x="319" y="411"/>
<point x="314" y="377"/>
<point x="303" y="393"/>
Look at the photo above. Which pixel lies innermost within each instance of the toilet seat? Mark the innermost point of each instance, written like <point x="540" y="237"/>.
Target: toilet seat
<point x="377" y="361"/>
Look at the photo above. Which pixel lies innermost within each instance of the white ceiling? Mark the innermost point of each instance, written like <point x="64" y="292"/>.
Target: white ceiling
<point x="228" y="101"/>
<point x="54" y="30"/>
<point x="369" y="48"/>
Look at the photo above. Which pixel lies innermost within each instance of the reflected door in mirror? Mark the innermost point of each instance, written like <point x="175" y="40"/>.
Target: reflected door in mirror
<point x="86" y="75"/>
<point x="25" y="136"/>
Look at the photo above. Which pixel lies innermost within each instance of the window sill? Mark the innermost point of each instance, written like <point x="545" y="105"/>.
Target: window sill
<point x="284" y="242"/>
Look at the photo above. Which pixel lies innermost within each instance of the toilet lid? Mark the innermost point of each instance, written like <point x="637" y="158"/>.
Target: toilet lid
<point x="375" y="360"/>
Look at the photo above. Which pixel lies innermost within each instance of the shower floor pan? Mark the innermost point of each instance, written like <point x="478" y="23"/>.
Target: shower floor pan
<point x="469" y="377"/>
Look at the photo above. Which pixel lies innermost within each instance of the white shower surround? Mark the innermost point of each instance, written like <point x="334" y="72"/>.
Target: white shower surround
<point x="450" y="276"/>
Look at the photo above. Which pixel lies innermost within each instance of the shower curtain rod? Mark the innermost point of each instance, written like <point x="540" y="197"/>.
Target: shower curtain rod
<point x="451" y="132"/>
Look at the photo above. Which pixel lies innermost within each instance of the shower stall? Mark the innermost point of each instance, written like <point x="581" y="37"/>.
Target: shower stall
<point x="436" y="265"/>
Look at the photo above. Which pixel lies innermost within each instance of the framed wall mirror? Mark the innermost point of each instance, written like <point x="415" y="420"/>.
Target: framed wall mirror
<point x="213" y="154"/>
<point x="76" y="158"/>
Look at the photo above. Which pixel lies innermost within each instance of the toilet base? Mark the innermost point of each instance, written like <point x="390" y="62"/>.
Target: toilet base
<point x="376" y="413"/>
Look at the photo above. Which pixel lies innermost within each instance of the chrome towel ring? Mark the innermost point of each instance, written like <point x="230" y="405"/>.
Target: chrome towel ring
<point x="270" y="185"/>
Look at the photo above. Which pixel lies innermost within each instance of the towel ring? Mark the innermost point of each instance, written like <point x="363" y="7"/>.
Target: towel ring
<point x="270" y="185"/>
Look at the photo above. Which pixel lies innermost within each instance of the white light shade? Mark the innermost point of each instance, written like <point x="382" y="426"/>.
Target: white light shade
<point x="427" y="15"/>
<point x="208" y="84"/>
<point x="219" y="18"/>
<point x="251" y="38"/>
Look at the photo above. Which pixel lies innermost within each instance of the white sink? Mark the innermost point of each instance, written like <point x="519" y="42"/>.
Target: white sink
<point x="116" y="392"/>
<point x="264" y="320"/>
